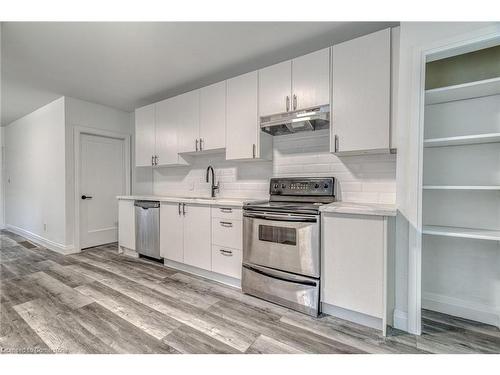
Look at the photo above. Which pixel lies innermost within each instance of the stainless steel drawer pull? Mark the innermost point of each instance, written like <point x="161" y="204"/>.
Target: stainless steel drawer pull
<point x="226" y="210"/>
<point x="227" y="253"/>
<point x="226" y="224"/>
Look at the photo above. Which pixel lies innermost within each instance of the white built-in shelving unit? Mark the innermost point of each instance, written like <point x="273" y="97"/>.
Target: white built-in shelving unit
<point x="461" y="201"/>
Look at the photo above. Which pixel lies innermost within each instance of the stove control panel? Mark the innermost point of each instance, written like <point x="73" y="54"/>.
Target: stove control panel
<point x="315" y="186"/>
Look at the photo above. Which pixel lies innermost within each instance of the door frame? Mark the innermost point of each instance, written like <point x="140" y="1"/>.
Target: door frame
<point x="447" y="47"/>
<point x="77" y="134"/>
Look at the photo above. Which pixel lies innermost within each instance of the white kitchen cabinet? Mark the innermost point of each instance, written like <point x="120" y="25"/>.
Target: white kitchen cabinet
<point x="228" y="233"/>
<point x="275" y="89"/>
<point x="358" y="265"/>
<point x="171" y="231"/>
<point x="311" y="80"/>
<point x="227" y="261"/>
<point x="361" y="95"/>
<point x="188" y="114"/>
<point x="213" y="117"/>
<point x="144" y="136"/>
<point x="244" y="139"/>
<point x="126" y="224"/>
<point x="197" y="236"/>
<point x="167" y="119"/>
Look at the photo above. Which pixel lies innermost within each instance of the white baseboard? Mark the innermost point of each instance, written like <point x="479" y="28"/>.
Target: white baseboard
<point x="352" y="316"/>
<point x="401" y="320"/>
<point x="223" y="279"/>
<point x="51" y="245"/>
<point x="462" y="308"/>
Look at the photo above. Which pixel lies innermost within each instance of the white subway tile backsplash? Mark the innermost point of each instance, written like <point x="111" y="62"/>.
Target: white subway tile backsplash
<point x="365" y="179"/>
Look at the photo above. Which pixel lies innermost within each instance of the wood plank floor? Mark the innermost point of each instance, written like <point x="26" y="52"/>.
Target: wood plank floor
<point x="100" y="302"/>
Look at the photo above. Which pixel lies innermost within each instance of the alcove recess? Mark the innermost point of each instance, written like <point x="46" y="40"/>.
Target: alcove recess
<point x="461" y="186"/>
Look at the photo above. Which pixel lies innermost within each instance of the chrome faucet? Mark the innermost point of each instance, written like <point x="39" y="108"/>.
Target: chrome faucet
<point x="214" y="187"/>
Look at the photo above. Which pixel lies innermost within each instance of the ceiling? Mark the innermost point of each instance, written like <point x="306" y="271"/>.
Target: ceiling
<point x="128" y="64"/>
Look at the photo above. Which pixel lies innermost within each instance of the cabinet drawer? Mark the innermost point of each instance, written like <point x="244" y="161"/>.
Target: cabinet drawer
<point x="226" y="261"/>
<point x="227" y="213"/>
<point x="226" y="232"/>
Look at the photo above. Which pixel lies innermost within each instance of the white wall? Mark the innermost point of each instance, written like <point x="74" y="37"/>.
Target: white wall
<point x="35" y="173"/>
<point x="414" y="38"/>
<point x="370" y="178"/>
<point x="90" y="115"/>
<point x="2" y="205"/>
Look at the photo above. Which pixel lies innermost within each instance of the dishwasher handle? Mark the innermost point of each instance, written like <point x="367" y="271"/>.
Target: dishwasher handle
<point x="147" y="204"/>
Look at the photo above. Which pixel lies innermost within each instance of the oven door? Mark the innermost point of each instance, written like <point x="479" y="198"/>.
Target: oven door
<point x="286" y="242"/>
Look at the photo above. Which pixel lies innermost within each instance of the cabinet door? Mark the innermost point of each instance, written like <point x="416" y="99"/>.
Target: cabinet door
<point x="242" y="127"/>
<point x="353" y="262"/>
<point x="361" y="93"/>
<point x="144" y="135"/>
<point x="213" y="116"/>
<point x="197" y="242"/>
<point x="126" y="224"/>
<point x="188" y="112"/>
<point x="275" y="87"/>
<point x="311" y="80"/>
<point x="166" y="132"/>
<point x="171" y="232"/>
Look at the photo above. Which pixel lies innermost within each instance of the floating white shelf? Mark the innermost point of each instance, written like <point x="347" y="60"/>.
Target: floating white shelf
<point x="462" y="140"/>
<point x="464" y="91"/>
<point x="480" y="234"/>
<point x="461" y="187"/>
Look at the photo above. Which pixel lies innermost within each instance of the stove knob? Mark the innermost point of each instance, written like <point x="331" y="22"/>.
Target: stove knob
<point x="276" y="186"/>
<point x="326" y="186"/>
<point x="316" y="186"/>
<point x="283" y="186"/>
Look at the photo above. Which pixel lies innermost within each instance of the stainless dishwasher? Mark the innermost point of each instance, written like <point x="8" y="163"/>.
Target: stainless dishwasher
<point x="147" y="228"/>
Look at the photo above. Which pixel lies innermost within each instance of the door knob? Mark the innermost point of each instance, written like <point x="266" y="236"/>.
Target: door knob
<point x="86" y="197"/>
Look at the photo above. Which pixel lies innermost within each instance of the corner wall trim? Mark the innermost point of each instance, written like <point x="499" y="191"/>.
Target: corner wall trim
<point x="51" y="245"/>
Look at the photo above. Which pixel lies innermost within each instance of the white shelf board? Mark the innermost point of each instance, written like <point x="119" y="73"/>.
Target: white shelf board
<point x="462" y="140"/>
<point x="468" y="90"/>
<point x="480" y="234"/>
<point x="461" y="187"/>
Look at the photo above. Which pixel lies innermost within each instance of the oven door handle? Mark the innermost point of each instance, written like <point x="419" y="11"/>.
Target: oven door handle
<point x="302" y="219"/>
<point x="288" y="280"/>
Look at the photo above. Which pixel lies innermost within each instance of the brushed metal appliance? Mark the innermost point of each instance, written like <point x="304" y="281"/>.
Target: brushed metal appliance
<point x="281" y="243"/>
<point x="147" y="228"/>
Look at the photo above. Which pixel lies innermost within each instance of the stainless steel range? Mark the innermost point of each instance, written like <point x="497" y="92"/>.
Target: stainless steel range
<point x="282" y="243"/>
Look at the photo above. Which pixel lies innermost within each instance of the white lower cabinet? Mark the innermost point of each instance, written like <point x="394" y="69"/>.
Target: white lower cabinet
<point x="171" y="231"/>
<point x="227" y="261"/>
<point x="126" y="224"/>
<point x="197" y="244"/>
<point x="227" y="232"/>
<point x="354" y="268"/>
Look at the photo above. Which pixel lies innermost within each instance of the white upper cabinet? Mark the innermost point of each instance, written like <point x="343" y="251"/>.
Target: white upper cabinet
<point x="244" y="140"/>
<point x="145" y="136"/>
<point x="166" y="132"/>
<point x="188" y="108"/>
<point x="213" y="117"/>
<point x="361" y="94"/>
<point x="275" y="89"/>
<point x="311" y="80"/>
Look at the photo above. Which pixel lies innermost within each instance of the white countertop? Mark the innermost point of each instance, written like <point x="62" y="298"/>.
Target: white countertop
<point x="360" y="208"/>
<point x="233" y="202"/>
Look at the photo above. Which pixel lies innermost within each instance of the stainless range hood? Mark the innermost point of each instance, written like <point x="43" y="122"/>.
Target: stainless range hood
<point x="293" y="122"/>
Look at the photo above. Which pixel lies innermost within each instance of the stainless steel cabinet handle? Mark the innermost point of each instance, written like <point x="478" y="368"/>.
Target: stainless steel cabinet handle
<point x="201" y="144"/>
<point x="336" y="143"/>
<point x="226" y="224"/>
<point x="179" y="209"/>
<point x="196" y="144"/>
<point x="226" y="210"/>
<point x="287" y="101"/>
<point x="184" y="208"/>
<point x="294" y="102"/>
<point x="253" y="150"/>
<point x="152" y="160"/>
<point x="156" y="160"/>
<point x="227" y="253"/>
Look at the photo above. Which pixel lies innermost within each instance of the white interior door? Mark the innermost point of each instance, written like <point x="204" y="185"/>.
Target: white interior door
<point x="102" y="178"/>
